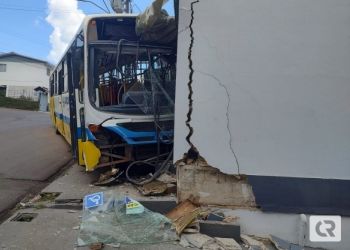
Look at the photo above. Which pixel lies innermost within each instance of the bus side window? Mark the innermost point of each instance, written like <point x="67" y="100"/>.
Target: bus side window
<point x="52" y="90"/>
<point x="55" y="82"/>
<point x="65" y="76"/>
<point x="60" y="81"/>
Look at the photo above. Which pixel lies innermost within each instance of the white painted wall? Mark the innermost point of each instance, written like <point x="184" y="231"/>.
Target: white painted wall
<point x="286" y="68"/>
<point x="284" y="226"/>
<point x="23" y="73"/>
<point x="22" y="91"/>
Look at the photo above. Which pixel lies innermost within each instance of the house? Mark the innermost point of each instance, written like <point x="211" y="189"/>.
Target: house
<point x="22" y="74"/>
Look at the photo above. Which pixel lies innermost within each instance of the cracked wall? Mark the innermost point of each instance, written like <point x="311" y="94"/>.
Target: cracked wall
<point x="270" y="86"/>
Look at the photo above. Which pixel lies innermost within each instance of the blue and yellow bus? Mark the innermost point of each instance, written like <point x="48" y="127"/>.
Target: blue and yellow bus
<point x="112" y="95"/>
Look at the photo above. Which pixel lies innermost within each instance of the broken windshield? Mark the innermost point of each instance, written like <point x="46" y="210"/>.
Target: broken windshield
<point x="127" y="77"/>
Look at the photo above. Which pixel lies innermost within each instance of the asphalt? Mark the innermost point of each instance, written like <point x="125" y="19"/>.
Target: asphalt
<point x="30" y="153"/>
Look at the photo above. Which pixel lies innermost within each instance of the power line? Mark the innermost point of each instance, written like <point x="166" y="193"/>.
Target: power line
<point x="98" y="6"/>
<point x="106" y="6"/>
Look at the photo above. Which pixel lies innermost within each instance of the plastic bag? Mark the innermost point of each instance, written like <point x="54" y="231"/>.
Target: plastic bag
<point x="112" y="219"/>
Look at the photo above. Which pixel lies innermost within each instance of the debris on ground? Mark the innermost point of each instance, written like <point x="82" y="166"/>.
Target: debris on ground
<point x="112" y="219"/>
<point x="205" y="242"/>
<point x="230" y="219"/>
<point x="257" y="243"/>
<point x="167" y="178"/>
<point x="96" y="246"/>
<point x="197" y="240"/>
<point x="40" y="201"/>
<point x="110" y="177"/>
<point x="215" y="217"/>
<point x="183" y="215"/>
<point x="281" y="244"/>
<point x="155" y="187"/>
<point x="228" y="243"/>
<point x="192" y="228"/>
<point x="113" y="245"/>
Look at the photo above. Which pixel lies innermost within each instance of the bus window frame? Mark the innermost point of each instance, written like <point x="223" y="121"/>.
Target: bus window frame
<point x="60" y="76"/>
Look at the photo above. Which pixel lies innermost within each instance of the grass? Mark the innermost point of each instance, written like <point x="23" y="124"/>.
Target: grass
<point x="14" y="103"/>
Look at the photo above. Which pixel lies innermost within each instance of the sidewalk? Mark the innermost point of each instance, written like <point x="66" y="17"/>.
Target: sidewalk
<point x="56" y="220"/>
<point x="56" y="227"/>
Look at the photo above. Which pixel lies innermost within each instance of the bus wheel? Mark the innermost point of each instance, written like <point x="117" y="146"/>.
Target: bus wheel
<point x="57" y="132"/>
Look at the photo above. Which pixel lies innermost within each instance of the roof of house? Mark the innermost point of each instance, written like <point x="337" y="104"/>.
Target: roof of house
<point x="42" y="89"/>
<point x="3" y="55"/>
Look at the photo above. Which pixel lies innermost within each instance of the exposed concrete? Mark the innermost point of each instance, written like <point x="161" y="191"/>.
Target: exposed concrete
<point x="208" y="186"/>
<point x="220" y="229"/>
<point x="30" y="153"/>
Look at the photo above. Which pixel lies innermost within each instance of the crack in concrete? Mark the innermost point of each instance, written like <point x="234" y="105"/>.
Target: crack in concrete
<point x="227" y="113"/>
<point x="192" y="150"/>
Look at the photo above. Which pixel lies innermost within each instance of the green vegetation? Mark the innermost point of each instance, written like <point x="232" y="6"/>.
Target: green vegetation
<point x="14" y="103"/>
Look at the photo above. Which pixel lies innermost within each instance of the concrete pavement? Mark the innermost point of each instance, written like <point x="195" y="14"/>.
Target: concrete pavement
<point x="30" y="152"/>
<point x="56" y="224"/>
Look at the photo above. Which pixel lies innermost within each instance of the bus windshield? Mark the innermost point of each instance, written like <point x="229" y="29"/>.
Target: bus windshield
<point x="130" y="77"/>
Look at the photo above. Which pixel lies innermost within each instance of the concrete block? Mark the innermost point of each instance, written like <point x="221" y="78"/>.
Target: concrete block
<point x="158" y="206"/>
<point x="220" y="229"/>
<point x="206" y="185"/>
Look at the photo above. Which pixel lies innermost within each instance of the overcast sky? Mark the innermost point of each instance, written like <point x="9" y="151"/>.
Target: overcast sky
<point x="42" y="28"/>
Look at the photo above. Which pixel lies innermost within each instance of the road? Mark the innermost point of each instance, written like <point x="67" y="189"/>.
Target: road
<point x="30" y="152"/>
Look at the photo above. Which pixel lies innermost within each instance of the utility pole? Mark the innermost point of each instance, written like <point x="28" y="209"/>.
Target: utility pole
<point x="122" y="6"/>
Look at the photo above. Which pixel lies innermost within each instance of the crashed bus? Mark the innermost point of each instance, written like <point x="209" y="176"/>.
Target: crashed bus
<point x="113" y="92"/>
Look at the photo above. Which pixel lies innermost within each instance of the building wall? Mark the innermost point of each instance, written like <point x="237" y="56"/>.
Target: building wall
<point x="22" y="91"/>
<point x="22" y="76"/>
<point x="270" y="86"/>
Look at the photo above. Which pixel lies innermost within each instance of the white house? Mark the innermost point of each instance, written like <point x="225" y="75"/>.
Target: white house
<point x="21" y="74"/>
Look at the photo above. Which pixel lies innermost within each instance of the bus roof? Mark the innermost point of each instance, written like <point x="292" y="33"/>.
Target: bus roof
<point x="83" y="26"/>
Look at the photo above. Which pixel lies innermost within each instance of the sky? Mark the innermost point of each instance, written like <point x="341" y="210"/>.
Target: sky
<point x="42" y="28"/>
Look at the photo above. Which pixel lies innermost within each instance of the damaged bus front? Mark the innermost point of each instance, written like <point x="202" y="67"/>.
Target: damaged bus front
<point x="113" y="92"/>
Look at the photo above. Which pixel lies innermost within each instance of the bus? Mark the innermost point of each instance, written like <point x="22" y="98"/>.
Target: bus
<point x="112" y="94"/>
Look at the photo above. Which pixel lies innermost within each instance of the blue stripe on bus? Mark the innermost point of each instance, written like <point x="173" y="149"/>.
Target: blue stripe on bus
<point x="89" y="135"/>
<point x="140" y="137"/>
<point x="65" y="119"/>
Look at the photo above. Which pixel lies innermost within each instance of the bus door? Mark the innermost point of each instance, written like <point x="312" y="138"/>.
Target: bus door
<point x="65" y="102"/>
<point x="75" y="69"/>
<point x="71" y="112"/>
<point x="58" y="101"/>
